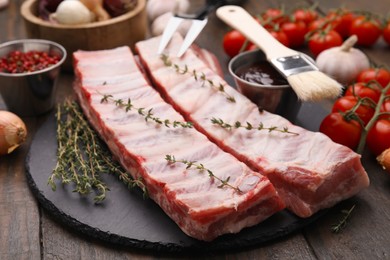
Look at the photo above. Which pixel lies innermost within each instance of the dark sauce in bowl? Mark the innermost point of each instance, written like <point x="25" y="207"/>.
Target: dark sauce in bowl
<point x="261" y="73"/>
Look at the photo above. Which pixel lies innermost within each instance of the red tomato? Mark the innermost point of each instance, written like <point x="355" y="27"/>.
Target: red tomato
<point x="381" y="75"/>
<point x="233" y="42"/>
<point x="346" y="103"/>
<point x="362" y="89"/>
<point x="295" y="32"/>
<point x="378" y="138"/>
<point x="367" y="30"/>
<point x="274" y="15"/>
<point x="386" y="33"/>
<point x="342" y="21"/>
<point x="305" y="15"/>
<point x="385" y="108"/>
<point x="323" y="40"/>
<point x="320" y="24"/>
<point x="281" y="37"/>
<point x="340" y="130"/>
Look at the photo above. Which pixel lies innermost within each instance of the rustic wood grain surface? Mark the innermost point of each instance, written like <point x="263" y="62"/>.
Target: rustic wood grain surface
<point x="28" y="232"/>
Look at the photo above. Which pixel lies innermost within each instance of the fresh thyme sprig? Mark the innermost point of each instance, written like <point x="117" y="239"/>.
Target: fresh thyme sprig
<point x="82" y="156"/>
<point x="249" y="126"/>
<point x="201" y="168"/>
<point x="197" y="76"/>
<point x="147" y="114"/>
<point x="336" y="228"/>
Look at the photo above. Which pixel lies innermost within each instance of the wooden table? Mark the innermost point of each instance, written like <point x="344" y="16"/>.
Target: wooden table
<point x="28" y="232"/>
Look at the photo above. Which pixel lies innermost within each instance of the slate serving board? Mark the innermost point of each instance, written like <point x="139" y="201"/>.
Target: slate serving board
<point x="126" y="219"/>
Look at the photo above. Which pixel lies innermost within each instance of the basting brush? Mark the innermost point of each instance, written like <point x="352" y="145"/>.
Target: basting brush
<point x="301" y="72"/>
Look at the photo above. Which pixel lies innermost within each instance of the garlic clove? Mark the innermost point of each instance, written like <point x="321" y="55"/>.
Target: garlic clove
<point x="156" y="8"/>
<point x="3" y="3"/>
<point x="160" y="23"/>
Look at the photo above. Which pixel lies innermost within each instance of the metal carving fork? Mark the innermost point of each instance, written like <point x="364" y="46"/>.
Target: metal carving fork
<point x="199" y="21"/>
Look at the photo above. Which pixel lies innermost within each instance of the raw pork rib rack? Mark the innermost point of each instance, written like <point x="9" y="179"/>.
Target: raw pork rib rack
<point x="190" y="197"/>
<point x="309" y="171"/>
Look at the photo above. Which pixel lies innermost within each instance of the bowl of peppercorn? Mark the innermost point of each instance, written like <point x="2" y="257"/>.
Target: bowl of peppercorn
<point x="29" y="70"/>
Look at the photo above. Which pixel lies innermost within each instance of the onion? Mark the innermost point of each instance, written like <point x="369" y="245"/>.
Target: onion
<point x="119" y="7"/>
<point x="72" y="12"/>
<point x="13" y="132"/>
<point x="384" y="159"/>
<point x="96" y="7"/>
<point x="46" y="7"/>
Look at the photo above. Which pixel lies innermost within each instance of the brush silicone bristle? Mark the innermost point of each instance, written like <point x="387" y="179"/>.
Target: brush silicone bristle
<point x="314" y="86"/>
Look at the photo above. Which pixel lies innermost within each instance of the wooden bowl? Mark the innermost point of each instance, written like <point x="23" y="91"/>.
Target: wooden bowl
<point x="123" y="30"/>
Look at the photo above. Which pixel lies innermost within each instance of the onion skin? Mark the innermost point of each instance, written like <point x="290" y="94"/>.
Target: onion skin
<point x="96" y="7"/>
<point x="384" y="160"/>
<point x="13" y="132"/>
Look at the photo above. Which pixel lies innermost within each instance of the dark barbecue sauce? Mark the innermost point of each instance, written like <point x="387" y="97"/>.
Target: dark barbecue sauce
<point x="261" y="73"/>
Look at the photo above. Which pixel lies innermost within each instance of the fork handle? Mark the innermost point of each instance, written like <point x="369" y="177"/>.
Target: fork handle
<point x="210" y="6"/>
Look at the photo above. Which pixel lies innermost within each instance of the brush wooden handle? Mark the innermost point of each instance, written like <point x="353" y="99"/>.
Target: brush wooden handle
<point x="239" y="19"/>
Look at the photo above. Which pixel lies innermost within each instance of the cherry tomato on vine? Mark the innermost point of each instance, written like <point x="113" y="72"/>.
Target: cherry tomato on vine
<point x="368" y="30"/>
<point x="385" y="108"/>
<point x="342" y="20"/>
<point x="295" y="32"/>
<point x="323" y="40"/>
<point x="320" y="24"/>
<point x="343" y="104"/>
<point x="305" y="15"/>
<point x="378" y="138"/>
<point x="381" y="75"/>
<point x="280" y="36"/>
<point x="362" y="89"/>
<point x="386" y="33"/>
<point x="340" y="130"/>
<point x="233" y="42"/>
<point x="274" y="16"/>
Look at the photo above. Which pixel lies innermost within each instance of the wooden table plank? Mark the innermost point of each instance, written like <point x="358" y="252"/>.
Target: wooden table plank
<point x="19" y="212"/>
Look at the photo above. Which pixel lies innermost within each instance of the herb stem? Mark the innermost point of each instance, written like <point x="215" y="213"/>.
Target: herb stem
<point x="336" y="228"/>
<point x="375" y="117"/>
<point x="147" y="114"/>
<point x="197" y="76"/>
<point x="249" y="126"/>
<point x="201" y="168"/>
<point x="82" y="157"/>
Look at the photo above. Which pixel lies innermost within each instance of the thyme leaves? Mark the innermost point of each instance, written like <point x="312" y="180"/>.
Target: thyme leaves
<point x="198" y="76"/>
<point x="82" y="157"/>
<point x="249" y="126"/>
<point x="201" y="168"/>
<point x="147" y="114"/>
<point x="336" y="228"/>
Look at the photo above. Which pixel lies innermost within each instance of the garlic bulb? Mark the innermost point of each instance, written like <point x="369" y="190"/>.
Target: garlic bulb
<point x="13" y="132"/>
<point x="72" y="12"/>
<point x="155" y="8"/>
<point x="161" y="22"/>
<point x="343" y="63"/>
